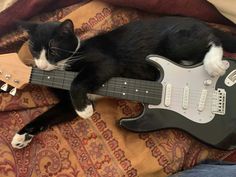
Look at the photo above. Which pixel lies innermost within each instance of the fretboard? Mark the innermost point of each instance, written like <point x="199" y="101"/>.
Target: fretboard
<point x="130" y="89"/>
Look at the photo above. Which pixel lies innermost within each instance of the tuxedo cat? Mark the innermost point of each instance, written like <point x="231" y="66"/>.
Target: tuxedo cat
<point x="120" y="53"/>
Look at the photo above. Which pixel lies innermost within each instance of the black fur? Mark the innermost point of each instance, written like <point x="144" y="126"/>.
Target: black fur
<point x="120" y="52"/>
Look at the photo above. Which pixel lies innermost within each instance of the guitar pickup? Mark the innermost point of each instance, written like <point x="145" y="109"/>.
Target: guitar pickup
<point x="168" y="93"/>
<point x="185" y="102"/>
<point x="202" y="101"/>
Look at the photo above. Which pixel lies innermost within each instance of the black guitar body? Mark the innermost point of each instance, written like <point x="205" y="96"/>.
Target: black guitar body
<point x="220" y="132"/>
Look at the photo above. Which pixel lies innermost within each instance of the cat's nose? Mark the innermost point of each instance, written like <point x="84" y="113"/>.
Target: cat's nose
<point x="44" y="65"/>
<point x="41" y="64"/>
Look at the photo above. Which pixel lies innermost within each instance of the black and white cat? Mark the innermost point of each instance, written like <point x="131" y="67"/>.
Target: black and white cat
<point x="120" y="52"/>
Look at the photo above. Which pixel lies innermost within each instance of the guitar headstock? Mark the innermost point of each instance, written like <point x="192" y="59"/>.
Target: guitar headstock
<point x="13" y="72"/>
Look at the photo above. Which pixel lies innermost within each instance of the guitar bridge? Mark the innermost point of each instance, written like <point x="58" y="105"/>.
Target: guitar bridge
<point x="219" y="102"/>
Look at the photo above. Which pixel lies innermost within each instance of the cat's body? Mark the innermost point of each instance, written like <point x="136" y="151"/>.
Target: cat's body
<point x="120" y="52"/>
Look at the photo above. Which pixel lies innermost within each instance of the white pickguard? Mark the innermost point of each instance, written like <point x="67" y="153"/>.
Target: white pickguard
<point x="197" y="80"/>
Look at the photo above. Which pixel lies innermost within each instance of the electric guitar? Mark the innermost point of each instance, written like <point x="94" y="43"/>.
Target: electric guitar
<point x="185" y="98"/>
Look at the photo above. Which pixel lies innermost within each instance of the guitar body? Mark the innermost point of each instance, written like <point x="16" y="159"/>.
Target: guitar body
<point x="194" y="102"/>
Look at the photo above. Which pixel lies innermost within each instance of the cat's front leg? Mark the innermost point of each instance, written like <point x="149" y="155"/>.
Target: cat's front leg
<point x="87" y="81"/>
<point x="213" y="62"/>
<point x="62" y="112"/>
<point x="82" y="105"/>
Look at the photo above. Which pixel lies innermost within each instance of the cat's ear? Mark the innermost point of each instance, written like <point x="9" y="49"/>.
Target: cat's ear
<point x="66" y="28"/>
<point x="30" y="27"/>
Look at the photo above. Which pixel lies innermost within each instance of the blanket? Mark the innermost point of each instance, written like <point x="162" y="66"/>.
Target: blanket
<point x="200" y="9"/>
<point x="97" y="146"/>
<point x="226" y="7"/>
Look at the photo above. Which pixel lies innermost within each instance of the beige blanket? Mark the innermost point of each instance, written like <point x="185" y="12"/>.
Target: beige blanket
<point x="226" y="7"/>
<point x="6" y="3"/>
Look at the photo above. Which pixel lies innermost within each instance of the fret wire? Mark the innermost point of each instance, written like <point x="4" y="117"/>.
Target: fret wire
<point x="42" y="77"/>
<point x="53" y="78"/>
<point x="63" y="76"/>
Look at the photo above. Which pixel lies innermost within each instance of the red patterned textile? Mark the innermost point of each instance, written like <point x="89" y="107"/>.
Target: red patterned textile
<point x="97" y="146"/>
<point x="25" y="9"/>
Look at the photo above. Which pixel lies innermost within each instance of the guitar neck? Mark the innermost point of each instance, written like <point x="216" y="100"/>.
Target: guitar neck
<point x="131" y="89"/>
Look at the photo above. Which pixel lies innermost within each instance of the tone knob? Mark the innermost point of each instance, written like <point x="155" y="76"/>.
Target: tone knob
<point x="208" y="82"/>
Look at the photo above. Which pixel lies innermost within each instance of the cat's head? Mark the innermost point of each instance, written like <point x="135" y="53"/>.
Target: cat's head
<point x="51" y="43"/>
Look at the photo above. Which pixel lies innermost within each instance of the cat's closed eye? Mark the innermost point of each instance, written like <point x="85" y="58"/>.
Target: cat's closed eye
<point x="51" y="49"/>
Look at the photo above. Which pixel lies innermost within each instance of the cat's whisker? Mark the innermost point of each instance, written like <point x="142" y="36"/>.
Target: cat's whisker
<point x="64" y="50"/>
<point x="62" y="66"/>
<point x="75" y="59"/>
<point x="55" y="53"/>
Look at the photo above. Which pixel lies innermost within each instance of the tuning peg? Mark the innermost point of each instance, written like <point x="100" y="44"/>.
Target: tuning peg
<point x="4" y="87"/>
<point x="13" y="92"/>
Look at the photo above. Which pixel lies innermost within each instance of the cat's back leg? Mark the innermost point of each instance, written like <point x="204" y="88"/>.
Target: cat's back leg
<point x="196" y="46"/>
<point x="213" y="62"/>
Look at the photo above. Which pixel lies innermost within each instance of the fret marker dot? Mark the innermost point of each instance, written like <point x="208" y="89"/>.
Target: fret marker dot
<point x="146" y="91"/>
<point x="125" y="83"/>
<point x="123" y="93"/>
<point x="136" y="90"/>
<point x="49" y="77"/>
<point x="103" y="85"/>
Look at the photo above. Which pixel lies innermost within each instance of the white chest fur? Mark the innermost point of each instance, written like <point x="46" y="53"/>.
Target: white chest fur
<point x="190" y="92"/>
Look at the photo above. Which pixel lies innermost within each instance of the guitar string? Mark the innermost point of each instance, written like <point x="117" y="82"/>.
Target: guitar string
<point x="174" y="101"/>
<point x="116" y="85"/>
<point x="152" y="87"/>
<point x="120" y="78"/>
<point x="173" y="97"/>
<point x="129" y="83"/>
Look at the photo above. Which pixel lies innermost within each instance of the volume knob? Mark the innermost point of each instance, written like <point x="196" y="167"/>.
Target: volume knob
<point x="208" y="82"/>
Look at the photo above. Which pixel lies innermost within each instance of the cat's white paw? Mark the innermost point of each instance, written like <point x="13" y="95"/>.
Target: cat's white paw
<point x="86" y="113"/>
<point x="21" y="141"/>
<point x="213" y="61"/>
<point x="216" y="68"/>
